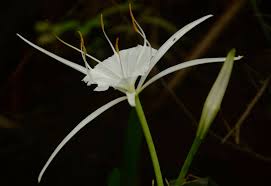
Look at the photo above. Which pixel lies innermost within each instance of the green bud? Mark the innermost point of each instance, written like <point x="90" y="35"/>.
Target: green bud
<point x="215" y="96"/>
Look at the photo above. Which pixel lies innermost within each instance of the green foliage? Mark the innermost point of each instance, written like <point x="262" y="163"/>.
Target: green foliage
<point x="261" y="19"/>
<point x="159" y="22"/>
<point x="133" y="141"/>
<point x="197" y="182"/>
<point x="114" y="178"/>
<point x="127" y="174"/>
<point x="201" y="182"/>
<point x="6" y="122"/>
<point x="47" y="30"/>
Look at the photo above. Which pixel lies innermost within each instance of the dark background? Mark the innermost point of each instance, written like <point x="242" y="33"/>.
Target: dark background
<point x="41" y="100"/>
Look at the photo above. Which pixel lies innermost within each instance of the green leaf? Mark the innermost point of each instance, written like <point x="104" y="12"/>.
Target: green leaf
<point x="133" y="141"/>
<point x="114" y="178"/>
<point x="128" y="173"/>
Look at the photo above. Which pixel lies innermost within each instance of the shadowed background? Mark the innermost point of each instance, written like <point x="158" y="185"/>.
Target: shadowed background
<point x="41" y="100"/>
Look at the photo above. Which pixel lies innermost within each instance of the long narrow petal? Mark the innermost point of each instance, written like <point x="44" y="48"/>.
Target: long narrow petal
<point x="77" y="49"/>
<point x="58" y="58"/>
<point x="184" y="65"/>
<point x="91" y="57"/>
<point x="83" y="123"/>
<point x="171" y="41"/>
<point x="175" y="37"/>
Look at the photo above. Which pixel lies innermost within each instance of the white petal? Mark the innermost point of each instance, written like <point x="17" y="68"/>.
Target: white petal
<point x="58" y="58"/>
<point x="100" y="78"/>
<point x="172" y="40"/>
<point x="175" y="37"/>
<point x="131" y="98"/>
<point x="108" y="70"/>
<point x="184" y="65"/>
<point x="88" y="80"/>
<point x="132" y="68"/>
<point x="101" y="88"/>
<point x="112" y="64"/>
<point x="83" y="123"/>
<point x="136" y="60"/>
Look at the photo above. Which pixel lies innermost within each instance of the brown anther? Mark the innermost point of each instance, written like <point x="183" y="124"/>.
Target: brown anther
<point x="133" y="18"/>
<point x="82" y="44"/>
<point x="102" y="22"/>
<point x="117" y="45"/>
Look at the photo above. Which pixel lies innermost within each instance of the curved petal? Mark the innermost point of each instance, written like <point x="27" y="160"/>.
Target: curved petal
<point x="77" y="49"/>
<point x="171" y="41"/>
<point x="175" y="37"/>
<point x="88" y="55"/>
<point x="101" y="88"/>
<point x="184" y="65"/>
<point x="58" y="58"/>
<point x="83" y="123"/>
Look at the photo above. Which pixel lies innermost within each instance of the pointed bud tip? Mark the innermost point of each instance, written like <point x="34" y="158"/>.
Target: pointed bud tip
<point x="102" y="21"/>
<point x="232" y="53"/>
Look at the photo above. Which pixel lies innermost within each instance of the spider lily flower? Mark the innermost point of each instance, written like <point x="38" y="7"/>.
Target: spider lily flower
<point x="122" y="70"/>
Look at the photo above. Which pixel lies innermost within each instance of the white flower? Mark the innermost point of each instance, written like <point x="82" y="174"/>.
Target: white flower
<point x="122" y="70"/>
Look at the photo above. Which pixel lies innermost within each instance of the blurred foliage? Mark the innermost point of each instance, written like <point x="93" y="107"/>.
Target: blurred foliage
<point x="114" y="178"/>
<point x="196" y="182"/>
<point x="47" y="31"/>
<point x="6" y="122"/>
<point x="262" y="19"/>
<point x="128" y="172"/>
<point x="201" y="182"/>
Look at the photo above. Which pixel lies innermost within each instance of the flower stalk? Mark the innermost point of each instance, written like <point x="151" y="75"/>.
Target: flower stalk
<point x="148" y="138"/>
<point x="209" y="112"/>
<point x="189" y="158"/>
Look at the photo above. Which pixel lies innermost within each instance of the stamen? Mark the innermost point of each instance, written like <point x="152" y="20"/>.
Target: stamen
<point x="140" y="31"/>
<point x="102" y="22"/>
<point x="133" y="18"/>
<point x="73" y="47"/>
<point x="142" y="34"/>
<point x="91" y="57"/>
<point x="83" y="50"/>
<point x="117" y="45"/>
<point x="136" y="26"/>
<point x="83" y="53"/>
<point x="115" y="52"/>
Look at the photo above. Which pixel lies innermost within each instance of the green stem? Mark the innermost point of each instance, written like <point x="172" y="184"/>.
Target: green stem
<point x="147" y="134"/>
<point x="194" y="148"/>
